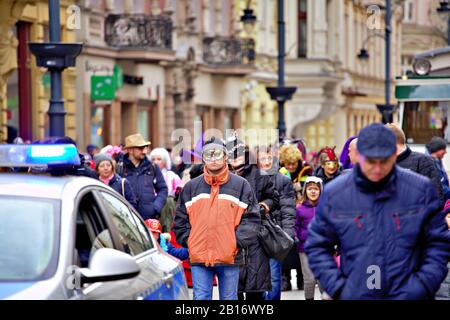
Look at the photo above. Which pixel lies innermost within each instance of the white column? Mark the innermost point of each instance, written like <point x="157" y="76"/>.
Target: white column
<point x="292" y="28"/>
<point x="319" y="28"/>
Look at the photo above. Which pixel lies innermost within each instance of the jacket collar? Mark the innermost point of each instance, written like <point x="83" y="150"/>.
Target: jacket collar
<point x="144" y="163"/>
<point x="219" y="179"/>
<point x="308" y="204"/>
<point x="405" y="154"/>
<point x="384" y="188"/>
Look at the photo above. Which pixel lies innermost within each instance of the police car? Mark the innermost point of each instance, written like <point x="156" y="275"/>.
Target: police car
<point x="67" y="237"/>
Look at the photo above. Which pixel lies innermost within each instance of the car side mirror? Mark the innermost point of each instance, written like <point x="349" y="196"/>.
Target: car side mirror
<point x="109" y="265"/>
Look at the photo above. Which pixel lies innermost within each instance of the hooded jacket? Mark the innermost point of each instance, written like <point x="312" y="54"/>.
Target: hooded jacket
<point x="217" y="218"/>
<point x="305" y="214"/>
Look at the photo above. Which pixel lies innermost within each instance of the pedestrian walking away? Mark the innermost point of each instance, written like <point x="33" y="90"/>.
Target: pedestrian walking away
<point x="392" y="236"/>
<point x="217" y="218"/>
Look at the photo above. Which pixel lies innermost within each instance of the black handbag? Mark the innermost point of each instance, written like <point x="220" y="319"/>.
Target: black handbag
<point x="275" y="241"/>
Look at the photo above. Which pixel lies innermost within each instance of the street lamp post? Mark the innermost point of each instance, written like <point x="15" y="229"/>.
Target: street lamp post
<point x="55" y="56"/>
<point x="281" y="93"/>
<point x="386" y="109"/>
<point x="444" y="10"/>
<point x="56" y="111"/>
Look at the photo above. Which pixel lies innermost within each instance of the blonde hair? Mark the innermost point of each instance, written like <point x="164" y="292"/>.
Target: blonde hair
<point x="289" y="154"/>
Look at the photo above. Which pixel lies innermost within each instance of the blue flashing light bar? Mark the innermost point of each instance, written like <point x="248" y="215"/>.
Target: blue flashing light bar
<point x="38" y="155"/>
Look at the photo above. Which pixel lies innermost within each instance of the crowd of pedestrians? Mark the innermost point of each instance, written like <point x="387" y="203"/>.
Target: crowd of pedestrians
<point x="371" y="224"/>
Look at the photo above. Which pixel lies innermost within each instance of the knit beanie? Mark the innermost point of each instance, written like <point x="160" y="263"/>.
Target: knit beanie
<point x="214" y="143"/>
<point x="235" y="148"/>
<point x="99" y="157"/>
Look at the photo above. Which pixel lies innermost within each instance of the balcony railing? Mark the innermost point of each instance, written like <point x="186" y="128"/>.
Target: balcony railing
<point x="228" y="51"/>
<point x="138" y="31"/>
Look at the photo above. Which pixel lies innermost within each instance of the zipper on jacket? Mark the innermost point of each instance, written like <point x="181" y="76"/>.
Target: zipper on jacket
<point x="358" y="221"/>
<point x="397" y="221"/>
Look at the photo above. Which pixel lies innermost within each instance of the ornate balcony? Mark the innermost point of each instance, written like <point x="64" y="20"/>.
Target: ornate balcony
<point x="229" y="54"/>
<point x="138" y="31"/>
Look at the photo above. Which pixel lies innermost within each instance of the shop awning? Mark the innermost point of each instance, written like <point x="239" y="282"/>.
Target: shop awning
<point x="425" y="89"/>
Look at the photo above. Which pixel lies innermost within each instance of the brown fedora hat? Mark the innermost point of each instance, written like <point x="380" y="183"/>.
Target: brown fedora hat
<point x="135" y="141"/>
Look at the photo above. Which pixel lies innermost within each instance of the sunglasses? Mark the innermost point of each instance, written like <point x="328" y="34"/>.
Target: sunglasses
<point x="210" y="154"/>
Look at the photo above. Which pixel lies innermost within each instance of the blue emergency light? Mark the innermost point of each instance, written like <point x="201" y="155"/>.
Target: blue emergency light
<point x="38" y="155"/>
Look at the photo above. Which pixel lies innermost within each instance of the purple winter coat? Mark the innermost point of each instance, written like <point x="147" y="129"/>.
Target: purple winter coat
<point x="305" y="213"/>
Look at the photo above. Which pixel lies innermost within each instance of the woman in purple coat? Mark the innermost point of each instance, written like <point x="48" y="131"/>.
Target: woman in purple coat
<point x="306" y="209"/>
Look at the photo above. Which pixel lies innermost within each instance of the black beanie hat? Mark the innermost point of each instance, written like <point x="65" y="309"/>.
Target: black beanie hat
<point x="235" y="148"/>
<point x="436" y="144"/>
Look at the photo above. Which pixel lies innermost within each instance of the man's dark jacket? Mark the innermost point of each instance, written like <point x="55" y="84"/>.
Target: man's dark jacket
<point x="255" y="275"/>
<point x="286" y="212"/>
<point x="392" y="236"/>
<point x="149" y="186"/>
<point x="424" y="165"/>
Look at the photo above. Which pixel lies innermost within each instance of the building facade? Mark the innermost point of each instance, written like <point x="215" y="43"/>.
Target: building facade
<point x="186" y="73"/>
<point x="422" y="30"/>
<point x="121" y="79"/>
<point x="258" y="110"/>
<point x="25" y="88"/>
<point x="337" y="93"/>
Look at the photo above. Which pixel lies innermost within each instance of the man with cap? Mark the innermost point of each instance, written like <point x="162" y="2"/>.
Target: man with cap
<point x="387" y="223"/>
<point x="217" y="218"/>
<point x="437" y="148"/>
<point x="146" y="179"/>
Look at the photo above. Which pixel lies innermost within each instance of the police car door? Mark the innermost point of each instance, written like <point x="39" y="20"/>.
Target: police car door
<point x="95" y="230"/>
<point x="155" y="281"/>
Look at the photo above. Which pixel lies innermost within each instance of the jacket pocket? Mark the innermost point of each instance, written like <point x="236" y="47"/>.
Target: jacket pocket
<point x="350" y="227"/>
<point x="407" y="225"/>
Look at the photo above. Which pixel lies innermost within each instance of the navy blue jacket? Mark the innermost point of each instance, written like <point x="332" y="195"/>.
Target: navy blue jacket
<point x="392" y="236"/>
<point x="443" y="177"/>
<point x="149" y="186"/>
<point x="116" y="184"/>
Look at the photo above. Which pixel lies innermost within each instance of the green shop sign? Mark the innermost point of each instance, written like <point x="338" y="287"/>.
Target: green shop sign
<point x="118" y="76"/>
<point x="103" y="88"/>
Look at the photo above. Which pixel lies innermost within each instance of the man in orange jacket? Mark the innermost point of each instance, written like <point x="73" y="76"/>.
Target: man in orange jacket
<point x="217" y="217"/>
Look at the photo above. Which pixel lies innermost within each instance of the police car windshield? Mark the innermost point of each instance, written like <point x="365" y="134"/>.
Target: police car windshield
<point x="29" y="236"/>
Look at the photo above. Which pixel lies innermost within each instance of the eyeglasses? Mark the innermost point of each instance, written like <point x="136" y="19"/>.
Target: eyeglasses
<point x="210" y="154"/>
<point x="265" y="159"/>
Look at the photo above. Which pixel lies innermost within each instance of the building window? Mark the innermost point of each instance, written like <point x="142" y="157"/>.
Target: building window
<point x="409" y="11"/>
<point x="320" y="134"/>
<point x="302" y="28"/>
<point x="100" y="118"/>
<point x="147" y="121"/>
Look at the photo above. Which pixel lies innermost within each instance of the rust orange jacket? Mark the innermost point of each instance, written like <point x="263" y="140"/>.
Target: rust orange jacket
<point x="216" y="216"/>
